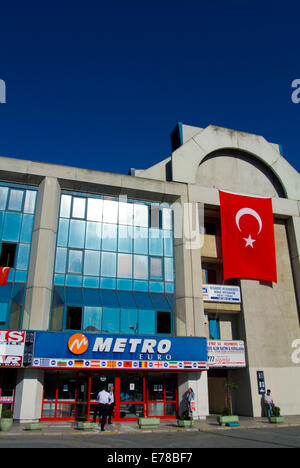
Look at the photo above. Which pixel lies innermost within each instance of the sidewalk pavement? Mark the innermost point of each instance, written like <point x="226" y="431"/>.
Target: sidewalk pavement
<point x="166" y="425"/>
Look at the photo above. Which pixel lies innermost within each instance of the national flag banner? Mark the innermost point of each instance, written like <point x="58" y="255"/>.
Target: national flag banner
<point x="127" y="364"/>
<point x="4" y="272"/>
<point x="173" y="365"/>
<point x="248" y="243"/>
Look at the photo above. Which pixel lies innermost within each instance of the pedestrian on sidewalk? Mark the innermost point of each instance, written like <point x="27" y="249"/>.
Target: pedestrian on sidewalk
<point x="103" y="399"/>
<point x="111" y="404"/>
<point x="191" y="402"/>
<point x="269" y="403"/>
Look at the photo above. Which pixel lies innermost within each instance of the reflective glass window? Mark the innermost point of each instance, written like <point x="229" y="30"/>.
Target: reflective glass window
<point x="109" y="237"/>
<point x="3" y="197"/>
<point x="169" y="269"/>
<point x="124" y="266"/>
<point x="65" y="206"/>
<point x="77" y="233"/>
<point x="140" y="267"/>
<point x="108" y="264"/>
<point x="155" y="242"/>
<point x="63" y="232"/>
<point x="91" y="263"/>
<point x="15" y="200"/>
<point x="125" y="239"/>
<point x="156" y="270"/>
<point x="168" y="243"/>
<point x="93" y="235"/>
<point x="23" y="257"/>
<point x="29" y="204"/>
<point x="61" y="260"/>
<point x="110" y="211"/>
<point x="141" y="215"/>
<point x="147" y="322"/>
<point x="167" y="218"/>
<point x="110" y="320"/>
<point x="94" y="210"/>
<point x="129" y="323"/>
<point x="125" y="213"/>
<point x="78" y="210"/>
<point x="12" y="227"/>
<point x="26" y="230"/>
<point x="92" y="318"/>
<point x="140" y="240"/>
<point x="75" y="261"/>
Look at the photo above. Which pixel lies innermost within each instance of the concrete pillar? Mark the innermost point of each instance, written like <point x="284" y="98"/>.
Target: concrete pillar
<point x="39" y="285"/>
<point x="28" y="395"/>
<point x="198" y="382"/>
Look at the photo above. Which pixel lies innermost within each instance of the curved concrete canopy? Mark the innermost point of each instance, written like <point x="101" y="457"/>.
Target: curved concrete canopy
<point x="187" y="158"/>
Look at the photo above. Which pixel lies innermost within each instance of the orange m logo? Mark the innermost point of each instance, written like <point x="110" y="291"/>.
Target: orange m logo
<point x="78" y="343"/>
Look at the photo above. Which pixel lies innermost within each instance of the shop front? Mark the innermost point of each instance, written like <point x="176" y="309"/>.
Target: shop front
<point x="70" y="395"/>
<point x="142" y="370"/>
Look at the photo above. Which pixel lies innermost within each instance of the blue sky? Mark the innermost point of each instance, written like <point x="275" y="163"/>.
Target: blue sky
<point x="96" y="85"/>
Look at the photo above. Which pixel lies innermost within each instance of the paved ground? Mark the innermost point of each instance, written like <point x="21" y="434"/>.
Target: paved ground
<point x="178" y="442"/>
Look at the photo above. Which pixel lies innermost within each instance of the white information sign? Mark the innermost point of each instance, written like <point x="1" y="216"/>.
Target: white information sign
<point x="221" y="293"/>
<point x="226" y="354"/>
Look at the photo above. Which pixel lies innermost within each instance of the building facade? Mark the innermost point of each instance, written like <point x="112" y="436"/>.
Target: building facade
<point x="119" y="280"/>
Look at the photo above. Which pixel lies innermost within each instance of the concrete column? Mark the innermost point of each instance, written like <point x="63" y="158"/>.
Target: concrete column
<point x="198" y="382"/>
<point x="28" y="395"/>
<point x="39" y="285"/>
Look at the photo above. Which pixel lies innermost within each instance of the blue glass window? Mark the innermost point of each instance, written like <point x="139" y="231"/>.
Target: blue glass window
<point x="155" y="242"/>
<point x="26" y="230"/>
<point x="125" y="213"/>
<point x="94" y="210"/>
<point x="65" y="206"/>
<point x="109" y="237"/>
<point x="75" y="261"/>
<point x="77" y="233"/>
<point x="93" y="235"/>
<point x="140" y="240"/>
<point x="110" y="320"/>
<point x="110" y="211"/>
<point x="141" y="215"/>
<point x="92" y="319"/>
<point x="3" y="311"/>
<point x="169" y="269"/>
<point x="156" y="268"/>
<point x="147" y="322"/>
<point x="214" y="329"/>
<point x="78" y="210"/>
<point x="30" y="199"/>
<point x="15" y="200"/>
<point x="3" y="197"/>
<point x="23" y="257"/>
<point x="108" y="264"/>
<point x="140" y="267"/>
<point x="125" y="239"/>
<point x="61" y="260"/>
<point x="129" y="321"/>
<point x="63" y="232"/>
<point x="12" y="227"/>
<point x="91" y="263"/>
<point x="124" y="266"/>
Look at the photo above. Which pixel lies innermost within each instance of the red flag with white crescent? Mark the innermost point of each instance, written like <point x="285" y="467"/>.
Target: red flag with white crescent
<point x="4" y="272"/>
<point x="248" y="243"/>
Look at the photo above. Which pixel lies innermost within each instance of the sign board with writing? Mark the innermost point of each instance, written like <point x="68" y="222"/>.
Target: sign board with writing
<point x="261" y="382"/>
<point x="226" y="354"/>
<point x="221" y="293"/>
<point x="12" y="345"/>
<point x="90" y="350"/>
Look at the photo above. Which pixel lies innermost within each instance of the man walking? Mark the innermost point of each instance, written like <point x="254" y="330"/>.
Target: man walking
<point x="103" y="400"/>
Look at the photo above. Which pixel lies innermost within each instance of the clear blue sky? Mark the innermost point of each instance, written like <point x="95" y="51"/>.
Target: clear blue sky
<point x="96" y="85"/>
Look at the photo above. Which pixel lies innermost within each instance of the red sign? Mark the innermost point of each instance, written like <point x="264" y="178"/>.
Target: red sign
<point x="248" y="243"/>
<point x="12" y="344"/>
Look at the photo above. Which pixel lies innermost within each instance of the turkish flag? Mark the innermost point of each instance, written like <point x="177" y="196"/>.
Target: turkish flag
<point x="248" y="243"/>
<point x="4" y="272"/>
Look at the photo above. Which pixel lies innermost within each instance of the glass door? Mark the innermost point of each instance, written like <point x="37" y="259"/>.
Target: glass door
<point x="162" y="395"/>
<point x="82" y="394"/>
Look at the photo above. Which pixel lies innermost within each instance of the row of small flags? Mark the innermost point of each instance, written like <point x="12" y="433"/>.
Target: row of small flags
<point x="83" y="363"/>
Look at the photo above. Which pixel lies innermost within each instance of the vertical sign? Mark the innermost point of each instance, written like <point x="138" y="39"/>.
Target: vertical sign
<point x="261" y="382"/>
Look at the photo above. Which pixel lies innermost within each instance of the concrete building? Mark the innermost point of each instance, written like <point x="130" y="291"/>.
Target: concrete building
<point x="118" y="261"/>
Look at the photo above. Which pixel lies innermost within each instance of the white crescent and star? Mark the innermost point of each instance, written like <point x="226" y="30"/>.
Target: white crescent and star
<point x="251" y="212"/>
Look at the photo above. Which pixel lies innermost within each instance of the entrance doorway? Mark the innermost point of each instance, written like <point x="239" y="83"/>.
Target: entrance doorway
<point x="70" y="395"/>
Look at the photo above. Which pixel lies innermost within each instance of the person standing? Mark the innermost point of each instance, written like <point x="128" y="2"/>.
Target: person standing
<point x="103" y="400"/>
<point x="111" y="404"/>
<point x="191" y="402"/>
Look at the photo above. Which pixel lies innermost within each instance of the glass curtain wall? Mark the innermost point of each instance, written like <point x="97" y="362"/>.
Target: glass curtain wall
<point x="114" y="266"/>
<point x="17" y="209"/>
